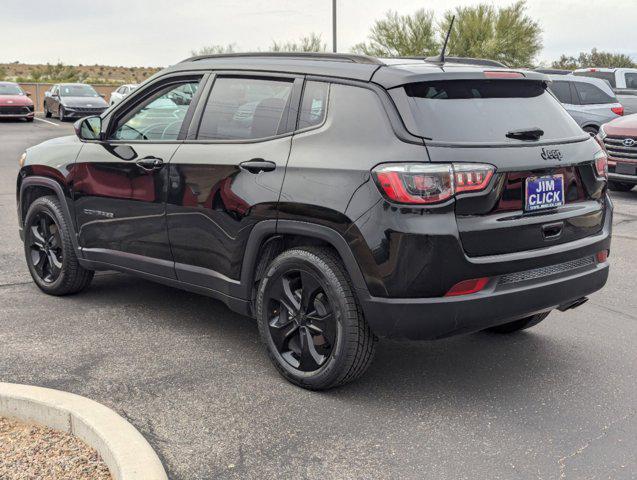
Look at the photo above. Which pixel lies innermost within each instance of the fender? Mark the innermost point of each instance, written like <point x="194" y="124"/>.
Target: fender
<point x="294" y="227"/>
<point x="37" y="181"/>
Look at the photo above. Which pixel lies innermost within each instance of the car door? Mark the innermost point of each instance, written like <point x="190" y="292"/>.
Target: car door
<point x="119" y="183"/>
<point x="227" y="175"/>
<point x="53" y="100"/>
<point x="563" y="91"/>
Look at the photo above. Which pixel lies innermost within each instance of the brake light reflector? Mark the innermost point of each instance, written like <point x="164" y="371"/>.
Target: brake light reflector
<point x="618" y="110"/>
<point x="602" y="256"/>
<point x="421" y="183"/>
<point x="467" y="287"/>
<point x="502" y="74"/>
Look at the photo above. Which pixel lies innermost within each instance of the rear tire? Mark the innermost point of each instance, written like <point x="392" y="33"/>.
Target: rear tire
<point x="61" y="114"/>
<point x="619" y="186"/>
<point x="49" y="251"/>
<point x="47" y="114"/>
<point x="518" y="325"/>
<point x="310" y="320"/>
<point x="591" y="130"/>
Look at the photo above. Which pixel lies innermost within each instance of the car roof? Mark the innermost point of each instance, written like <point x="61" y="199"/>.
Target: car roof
<point x="388" y="72"/>
<point x="8" y="83"/>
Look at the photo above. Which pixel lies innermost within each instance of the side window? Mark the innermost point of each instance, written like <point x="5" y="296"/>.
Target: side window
<point x="314" y="104"/>
<point x="121" y="90"/>
<point x="245" y="108"/>
<point x="159" y="117"/>
<point x="631" y="80"/>
<point x="591" y="95"/>
<point x="562" y="91"/>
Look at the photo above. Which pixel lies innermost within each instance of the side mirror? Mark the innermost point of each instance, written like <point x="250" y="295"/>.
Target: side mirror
<point x="47" y="94"/>
<point x="89" y="128"/>
<point x="28" y="94"/>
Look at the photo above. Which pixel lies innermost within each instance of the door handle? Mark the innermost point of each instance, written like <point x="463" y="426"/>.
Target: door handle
<point x="257" y="165"/>
<point x="150" y="163"/>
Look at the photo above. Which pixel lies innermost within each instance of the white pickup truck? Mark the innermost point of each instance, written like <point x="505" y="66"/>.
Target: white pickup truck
<point x="622" y="80"/>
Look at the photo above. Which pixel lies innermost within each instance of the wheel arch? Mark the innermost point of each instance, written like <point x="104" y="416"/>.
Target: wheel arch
<point x="293" y="232"/>
<point x="32" y="188"/>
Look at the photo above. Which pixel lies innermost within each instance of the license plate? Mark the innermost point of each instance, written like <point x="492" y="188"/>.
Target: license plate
<point x="544" y="192"/>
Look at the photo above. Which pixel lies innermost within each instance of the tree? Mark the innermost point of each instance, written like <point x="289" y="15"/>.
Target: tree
<point x="507" y="34"/>
<point x="311" y="43"/>
<point x="3" y="73"/>
<point x="594" y="59"/>
<point x="214" y="50"/>
<point x="401" y="35"/>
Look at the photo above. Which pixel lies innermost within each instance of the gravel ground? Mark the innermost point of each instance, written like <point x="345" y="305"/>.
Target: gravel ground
<point x="35" y="452"/>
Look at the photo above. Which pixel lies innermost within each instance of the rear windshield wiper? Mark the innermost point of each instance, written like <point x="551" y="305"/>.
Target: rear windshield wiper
<point x="527" y="134"/>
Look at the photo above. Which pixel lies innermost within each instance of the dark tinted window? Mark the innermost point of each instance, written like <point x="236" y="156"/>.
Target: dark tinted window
<point x="314" y="104"/>
<point x="631" y="80"/>
<point x="592" y="95"/>
<point x="484" y="111"/>
<point x="608" y="76"/>
<point x="562" y="90"/>
<point x="245" y="108"/>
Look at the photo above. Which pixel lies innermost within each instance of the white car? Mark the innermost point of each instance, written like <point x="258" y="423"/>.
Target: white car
<point x="123" y="91"/>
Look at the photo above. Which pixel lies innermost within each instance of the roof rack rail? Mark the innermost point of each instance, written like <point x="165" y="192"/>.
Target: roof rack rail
<point x="466" y="60"/>
<point x="336" y="57"/>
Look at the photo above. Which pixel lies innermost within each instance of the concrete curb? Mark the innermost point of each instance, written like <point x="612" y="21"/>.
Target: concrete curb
<point x="124" y="450"/>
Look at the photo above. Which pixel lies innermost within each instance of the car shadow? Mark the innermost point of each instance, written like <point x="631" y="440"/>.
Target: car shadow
<point x="464" y="369"/>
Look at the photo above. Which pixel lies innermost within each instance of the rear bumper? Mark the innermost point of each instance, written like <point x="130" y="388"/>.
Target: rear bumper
<point x="563" y="273"/>
<point x="432" y="318"/>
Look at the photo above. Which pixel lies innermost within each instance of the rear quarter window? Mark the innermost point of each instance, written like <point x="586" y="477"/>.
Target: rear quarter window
<point x="591" y="95"/>
<point x="484" y="111"/>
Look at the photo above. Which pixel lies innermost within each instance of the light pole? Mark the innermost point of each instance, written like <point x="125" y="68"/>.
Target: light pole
<point x="334" y="26"/>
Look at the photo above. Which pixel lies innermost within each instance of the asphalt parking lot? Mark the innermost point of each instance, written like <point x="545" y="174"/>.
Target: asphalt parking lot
<point x="557" y="401"/>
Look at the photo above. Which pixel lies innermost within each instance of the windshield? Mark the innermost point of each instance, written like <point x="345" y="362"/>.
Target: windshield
<point x="77" y="91"/>
<point x="10" y="90"/>
<point x="484" y="111"/>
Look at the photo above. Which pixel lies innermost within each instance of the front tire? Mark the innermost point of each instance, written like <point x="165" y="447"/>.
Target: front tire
<point x="518" y="325"/>
<point x="310" y="320"/>
<point x="47" y="114"/>
<point x="61" y="115"/>
<point x="49" y="250"/>
<point x="619" y="186"/>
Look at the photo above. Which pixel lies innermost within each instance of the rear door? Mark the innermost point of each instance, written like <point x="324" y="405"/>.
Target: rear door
<point x="474" y="121"/>
<point x="227" y="175"/>
<point x="120" y="183"/>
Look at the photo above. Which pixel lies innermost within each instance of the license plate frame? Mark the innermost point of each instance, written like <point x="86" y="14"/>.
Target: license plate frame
<point x="531" y="187"/>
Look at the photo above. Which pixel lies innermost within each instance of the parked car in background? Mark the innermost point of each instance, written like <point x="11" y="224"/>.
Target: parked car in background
<point x="623" y="81"/>
<point x="590" y="101"/>
<point x="620" y="139"/>
<point x="14" y="102"/>
<point x="123" y="91"/>
<point x="333" y="198"/>
<point x="73" y="100"/>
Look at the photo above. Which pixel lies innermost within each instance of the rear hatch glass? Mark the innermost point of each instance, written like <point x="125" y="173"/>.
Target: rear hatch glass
<point x="484" y="111"/>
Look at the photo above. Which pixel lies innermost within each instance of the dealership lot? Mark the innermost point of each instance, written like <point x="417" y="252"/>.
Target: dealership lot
<point x="556" y="401"/>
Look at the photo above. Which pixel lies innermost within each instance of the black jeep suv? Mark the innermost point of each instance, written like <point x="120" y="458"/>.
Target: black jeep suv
<point x="335" y="198"/>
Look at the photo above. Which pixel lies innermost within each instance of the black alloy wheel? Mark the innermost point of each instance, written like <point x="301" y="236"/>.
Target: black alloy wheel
<point x="45" y="246"/>
<point x="301" y="320"/>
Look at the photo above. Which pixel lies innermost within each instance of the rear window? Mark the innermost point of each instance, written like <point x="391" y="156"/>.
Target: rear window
<point x="484" y="111"/>
<point x="592" y="95"/>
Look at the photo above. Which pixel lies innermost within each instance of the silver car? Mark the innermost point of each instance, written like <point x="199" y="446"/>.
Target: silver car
<point x="590" y="101"/>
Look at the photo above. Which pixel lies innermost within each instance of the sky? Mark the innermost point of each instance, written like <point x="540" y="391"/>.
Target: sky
<point x="163" y="32"/>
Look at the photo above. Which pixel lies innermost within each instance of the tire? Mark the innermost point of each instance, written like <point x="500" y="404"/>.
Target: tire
<point x="29" y="119"/>
<point x="47" y="114"/>
<point x="342" y="345"/>
<point x="591" y="130"/>
<point x="518" y="325"/>
<point x="61" y="114"/>
<point x="620" y="187"/>
<point x="49" y="251"/>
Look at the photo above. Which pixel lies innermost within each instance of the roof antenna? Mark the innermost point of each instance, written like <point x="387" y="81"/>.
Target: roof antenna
<point x="440" y="59"/>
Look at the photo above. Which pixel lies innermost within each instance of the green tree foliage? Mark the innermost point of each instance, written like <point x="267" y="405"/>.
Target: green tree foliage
<point x="505" y="34"/>
<point x="594" y="59"/>
<point x="401" y="35"/>
<point x="57" y="73"/>
<point x="311" y="43"/>
<point x="214" y="50"/>
<point x="3" y="73"/>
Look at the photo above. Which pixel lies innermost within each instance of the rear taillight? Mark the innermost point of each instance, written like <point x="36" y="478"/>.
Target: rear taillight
<point x="601" y="164"/>
<point x="502" y="74"/>
<point x="419" y="183"/>
<point x="618" y="110"/>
